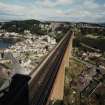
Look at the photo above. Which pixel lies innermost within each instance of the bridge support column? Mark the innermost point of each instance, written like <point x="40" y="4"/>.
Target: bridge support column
<point x="57" y="92"/>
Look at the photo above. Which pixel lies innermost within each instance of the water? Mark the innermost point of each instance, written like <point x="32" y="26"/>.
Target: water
<point x="4" y="44"/>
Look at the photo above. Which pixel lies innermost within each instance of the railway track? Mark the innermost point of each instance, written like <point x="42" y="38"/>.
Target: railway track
<point x="48" y="73"/>
<point x="36" y="90"/>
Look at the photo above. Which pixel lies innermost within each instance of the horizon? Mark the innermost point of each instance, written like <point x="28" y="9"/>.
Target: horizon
<point x="91" y="11"/>
<point x="54" y="21"/>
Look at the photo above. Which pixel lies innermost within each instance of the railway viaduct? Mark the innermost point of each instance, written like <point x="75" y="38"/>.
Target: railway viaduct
<point x="57" y="91"/>
<point x="45" y="83"/>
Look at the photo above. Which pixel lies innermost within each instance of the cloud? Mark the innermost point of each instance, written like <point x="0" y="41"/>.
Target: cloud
<point x="12" y="9"/>
<point x="17" y="11"/>
<point x="64" y="1"/>
<point x="88" y="11"/>
<point x="63" y="10"/>
<point x="53" y="3"/>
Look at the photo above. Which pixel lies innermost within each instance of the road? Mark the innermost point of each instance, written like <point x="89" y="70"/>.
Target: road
<point x="16" y="68"/>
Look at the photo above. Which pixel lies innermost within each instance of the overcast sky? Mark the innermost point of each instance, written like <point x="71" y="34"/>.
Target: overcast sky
<point x="56" y="10"/>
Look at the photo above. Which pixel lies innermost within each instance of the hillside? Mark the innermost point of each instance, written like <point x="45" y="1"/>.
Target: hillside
<point x="20" y="26"/>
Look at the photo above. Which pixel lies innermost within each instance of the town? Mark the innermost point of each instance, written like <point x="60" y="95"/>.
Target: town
<point x="24" y="51"/>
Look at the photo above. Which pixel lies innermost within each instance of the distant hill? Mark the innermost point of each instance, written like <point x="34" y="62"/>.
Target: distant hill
<point x="20" y="26"/>
<point x="102" y="24"/>
<point x="22" y="21"/>
<point x="33" y="25"/>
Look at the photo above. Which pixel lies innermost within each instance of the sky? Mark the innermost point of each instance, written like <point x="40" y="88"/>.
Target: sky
<point x="53" y="10"/>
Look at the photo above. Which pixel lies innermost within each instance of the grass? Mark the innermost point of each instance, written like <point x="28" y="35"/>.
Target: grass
<point x="74" y="69"/>
<point x="71" y="72"/>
